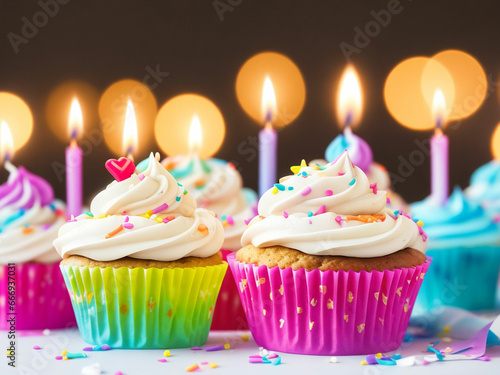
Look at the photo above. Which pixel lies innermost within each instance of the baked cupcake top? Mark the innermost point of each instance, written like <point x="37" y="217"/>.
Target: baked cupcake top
<point x="29" y="218"/>
<point x="145" y="216"/>
<point x="332" y="210"/>
<point x="460" y="222"/>
<point x="217" y="186"/>
<point x="485" y="187"/>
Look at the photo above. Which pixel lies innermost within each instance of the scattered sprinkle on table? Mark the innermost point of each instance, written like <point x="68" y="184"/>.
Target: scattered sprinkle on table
<point x="36" y="347"/>
<point x="192" y="368"/>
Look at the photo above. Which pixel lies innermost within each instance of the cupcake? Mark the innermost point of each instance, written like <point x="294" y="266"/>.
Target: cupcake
<point x="218" y="187"/>
<point x="465" y="245"/>
<point x="29" y="220"/>
<point x="485" y="188"/>
<point x="362" y="156"/>
<point x="143" y="268"/>
<point x="325" y="268"/>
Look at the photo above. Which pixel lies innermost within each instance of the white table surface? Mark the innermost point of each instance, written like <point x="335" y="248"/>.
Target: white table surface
<point x="233" y="361"/>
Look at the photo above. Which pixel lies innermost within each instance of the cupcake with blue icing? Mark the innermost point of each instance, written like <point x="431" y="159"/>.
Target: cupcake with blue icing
<point x="30" y="218"/>
<point x="485" y="188"/>
<point x="362" y="156"/>
<point x="464" y="242"/>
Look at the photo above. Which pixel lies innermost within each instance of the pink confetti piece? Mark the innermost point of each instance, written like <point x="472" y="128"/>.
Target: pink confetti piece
<point x="59" y="357"/>
<point x="374" y="188"/>
<point x="341" y="173"/>
<point x="128" y="226"/>
<point x="272" y="355"/>
<point x="247" y="221"/>
<point x="196" y="348"/>
<point x="162" y="360"/>
<point x="285" y="214"/>
<point x="328" y="193"/>
<point x="306" y="191"/>
<point x="255" y="360"/>
<point x="118" y="373"/>
<point x="141" y="176"/>
<point x="87" y="349"/>
<point x="36" y="347"/>
<point x="230" y="220"/>
<point x="127" y="219"/>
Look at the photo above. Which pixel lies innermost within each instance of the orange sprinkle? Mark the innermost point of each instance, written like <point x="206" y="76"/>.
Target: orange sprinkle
<point x="202" y="228"/>
<point x="192" y="368"/>
<point x="366" y="218"/>
<point x="27" y="230"/>
<point x="199" y="182"/>
<point x="114" y="232"/>
<point x="171" y="217"/>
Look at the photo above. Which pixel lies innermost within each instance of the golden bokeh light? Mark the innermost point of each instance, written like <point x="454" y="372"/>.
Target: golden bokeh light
<point x="17" y="115"/>
<point x="349" y="99"/>
<point x="59" y="109"/>
<point x="286" y="79"/>
<point x="113" y="112"/>
<point x="471" y="84"/>
<point x="174" y="123"/>
<point x="495" y="143"/>
<point x="409" y="91"/>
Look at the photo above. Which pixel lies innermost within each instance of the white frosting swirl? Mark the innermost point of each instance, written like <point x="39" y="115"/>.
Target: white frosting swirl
<point x="331" y="211"/>
<point x="29" y="219"/>
<point x="131" y="219"/>
<point x="29" y="238"/>
<point x="218" y="187"/>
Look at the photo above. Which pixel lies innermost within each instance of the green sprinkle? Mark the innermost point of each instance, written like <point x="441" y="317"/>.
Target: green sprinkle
<point x="185" y="192"/>
<point x="89" y="214"/>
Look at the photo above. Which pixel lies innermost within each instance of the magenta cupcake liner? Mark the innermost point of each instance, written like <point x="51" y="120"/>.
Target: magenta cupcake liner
<point x="327" y="312"/>
<point x="41" y="298"/>
<point x="229" y="313"/>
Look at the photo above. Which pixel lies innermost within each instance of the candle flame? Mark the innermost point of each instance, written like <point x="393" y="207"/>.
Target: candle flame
<point x="130" y="138"/>
<point x="268" y="101"/>
<point x="349" y="98"/>
<point x="439" y="109"/>
<point x="6" y="142"/>
<point x="195" y="135"/>
<point x="75" y="121"/>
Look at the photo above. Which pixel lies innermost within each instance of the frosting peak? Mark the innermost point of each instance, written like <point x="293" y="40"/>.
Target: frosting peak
<point x="360" y="152"/>
<point x="152" y="189"/>
<point x="339" y="186"/>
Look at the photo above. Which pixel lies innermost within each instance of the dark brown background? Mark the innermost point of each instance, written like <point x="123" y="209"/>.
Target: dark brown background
<point x="103" y="41"/>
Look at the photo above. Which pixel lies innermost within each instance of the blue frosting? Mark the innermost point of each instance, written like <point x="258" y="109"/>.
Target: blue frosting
<point x="485" y="187"/>
<point x="459" y="223"/>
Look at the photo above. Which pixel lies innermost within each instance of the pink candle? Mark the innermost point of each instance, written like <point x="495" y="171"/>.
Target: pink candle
<point x="74" y="179"/>
<point x="439" y="154"/>
<point x="268" y="153"/>
<point x="74" y="172"/>
<point x="268" y="140"/>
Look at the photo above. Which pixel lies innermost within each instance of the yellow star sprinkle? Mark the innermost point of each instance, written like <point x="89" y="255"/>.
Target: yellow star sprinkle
<point x="296" y="168"/>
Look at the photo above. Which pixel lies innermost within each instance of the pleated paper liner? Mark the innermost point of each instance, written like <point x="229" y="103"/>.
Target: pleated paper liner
<point x="40" y="299"/>
<point x="144" y="308"/>
<point x="461" y="277"/>
<point x="229" y="314"/>
<point x="327" y="312"/>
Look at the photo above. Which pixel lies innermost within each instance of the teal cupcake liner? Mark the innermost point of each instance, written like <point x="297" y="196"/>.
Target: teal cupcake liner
<point x="142" y="308"/>
<point x="462" y="277"/>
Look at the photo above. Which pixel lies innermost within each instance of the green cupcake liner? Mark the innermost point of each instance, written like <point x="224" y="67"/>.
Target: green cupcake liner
<point x="142" y="308"/>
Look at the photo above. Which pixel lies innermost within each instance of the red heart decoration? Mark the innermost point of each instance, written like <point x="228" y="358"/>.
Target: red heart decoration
<point x="120" y="169"/>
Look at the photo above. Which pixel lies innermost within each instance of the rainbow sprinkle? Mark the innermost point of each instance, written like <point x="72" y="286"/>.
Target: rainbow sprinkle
<point x="306" y="191"/>
<point x="352" y="181"/>
<point x="341" y="173"/>
<point x="141" y="176"/>
<point x="114" y="232"/>
<point x="280" y="187"/>
<point x="328" y="193"/>
<point x="285" y="214"/>
<point x="338" y="219"/>
<point x="321" y="210"/>
<point x="374" y="188"/>
<point x="161" y="208"/>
